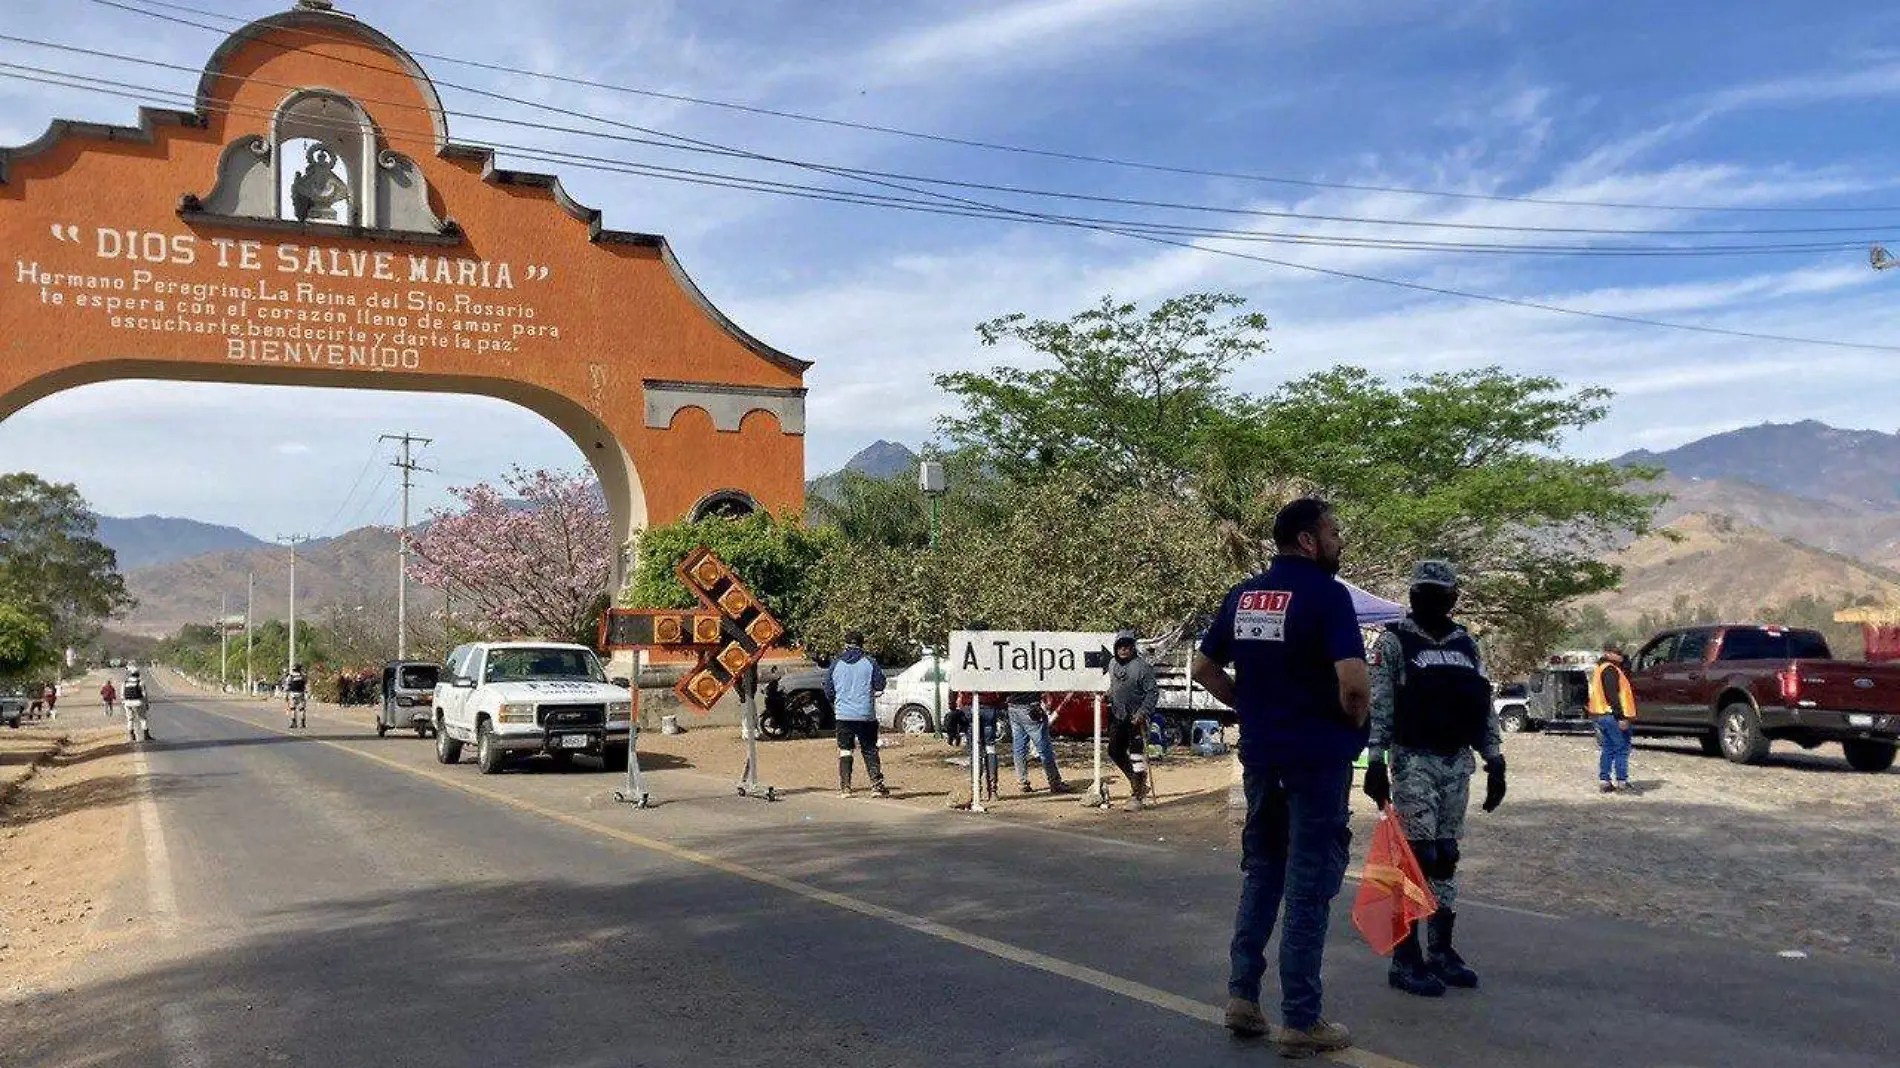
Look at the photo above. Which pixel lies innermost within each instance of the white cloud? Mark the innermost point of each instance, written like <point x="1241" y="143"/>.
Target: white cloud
<point x="1871" y="83"/>
<point x="292" y="448"/>
<point x="1037" y="32"/>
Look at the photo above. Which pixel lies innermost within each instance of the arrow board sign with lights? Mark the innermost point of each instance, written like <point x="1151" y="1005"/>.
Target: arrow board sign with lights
<point x="1029" y="661"/>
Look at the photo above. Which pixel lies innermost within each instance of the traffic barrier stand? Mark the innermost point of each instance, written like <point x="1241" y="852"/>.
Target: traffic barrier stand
<point x="749" y="784"/>
<point x="1097" y="793"/>
<point x="636" y="792"/>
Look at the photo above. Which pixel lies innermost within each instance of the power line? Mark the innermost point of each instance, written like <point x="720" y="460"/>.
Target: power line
<point x="679" y="143"/>
<point x="364" y="470"/>
<point x="408" y="467"/>
<point x="363" y="508"/>
<point x="1150" y="238"/>
<point x="106" y="86"/>
<point x="1074" y="157"/>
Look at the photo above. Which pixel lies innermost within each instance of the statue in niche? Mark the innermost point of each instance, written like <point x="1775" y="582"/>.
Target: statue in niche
<point x="317" y="190"/>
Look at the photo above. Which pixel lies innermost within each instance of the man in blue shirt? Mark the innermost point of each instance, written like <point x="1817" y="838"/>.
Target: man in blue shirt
<point x="852" y="683"/>
<point x="1303" y="695"/>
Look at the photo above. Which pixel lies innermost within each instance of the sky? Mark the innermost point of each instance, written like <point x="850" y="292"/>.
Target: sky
<point x="1724" y="108"/>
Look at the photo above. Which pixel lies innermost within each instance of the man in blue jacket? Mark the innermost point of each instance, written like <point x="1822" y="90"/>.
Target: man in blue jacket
<point x="852" y="682"/>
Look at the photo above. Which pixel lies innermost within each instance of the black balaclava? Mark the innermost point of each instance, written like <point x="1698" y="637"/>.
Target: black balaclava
<point x="1431" y="608"/>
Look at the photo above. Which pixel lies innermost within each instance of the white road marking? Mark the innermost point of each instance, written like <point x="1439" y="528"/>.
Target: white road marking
<point x="178" y="1029"/>
<point x="161" y="897"/>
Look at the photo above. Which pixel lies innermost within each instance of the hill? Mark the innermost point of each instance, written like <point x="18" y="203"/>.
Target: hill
<point x="358" y="568"/>
<point x="880" y="459"/>
<point x="1738" y="570"/>
<point x="1855" y="469"/>
<point x="148" y="540"/>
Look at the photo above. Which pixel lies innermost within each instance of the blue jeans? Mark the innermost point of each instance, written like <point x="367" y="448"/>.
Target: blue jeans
<point x="1294" y="849"/>
<point x="1023" y="727"/>
<point x="1614" y="743"/>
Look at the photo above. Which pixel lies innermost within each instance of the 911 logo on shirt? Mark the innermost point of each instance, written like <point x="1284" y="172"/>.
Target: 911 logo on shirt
<point x="1260" y="615"/>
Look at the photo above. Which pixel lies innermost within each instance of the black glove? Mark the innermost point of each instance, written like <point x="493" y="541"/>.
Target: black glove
<point x="1378" y="785"/>
<point x="1493" y="783"/>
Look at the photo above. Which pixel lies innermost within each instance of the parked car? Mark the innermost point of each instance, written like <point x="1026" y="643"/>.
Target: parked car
<point x="1512" y="702"/>
<point x="521" y="698"/>
<point x="915" y="698"/>
<point x="1740" y="687"/>
<point x="13" y="702"/>
<point x="1180" y="703"/>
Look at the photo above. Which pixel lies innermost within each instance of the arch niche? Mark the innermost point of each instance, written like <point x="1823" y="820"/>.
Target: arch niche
<point x="376" y="253"/>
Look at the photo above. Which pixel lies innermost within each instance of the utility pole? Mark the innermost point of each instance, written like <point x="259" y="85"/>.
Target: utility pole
<point x="290" y="658"/>
<point x="408" y="468"/>
<point x="224" y="610"/>
<point x="250" y="595"/>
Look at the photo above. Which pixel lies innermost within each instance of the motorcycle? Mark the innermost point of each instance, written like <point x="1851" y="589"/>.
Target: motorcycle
<point x="781" y="717"/>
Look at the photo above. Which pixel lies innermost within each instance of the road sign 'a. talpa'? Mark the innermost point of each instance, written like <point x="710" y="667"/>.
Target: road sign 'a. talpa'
<point x="1029" y="661"/>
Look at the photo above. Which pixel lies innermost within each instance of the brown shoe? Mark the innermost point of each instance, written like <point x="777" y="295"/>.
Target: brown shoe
<point x="1245" y="1019"/>
<point x="1312" y="1041"/>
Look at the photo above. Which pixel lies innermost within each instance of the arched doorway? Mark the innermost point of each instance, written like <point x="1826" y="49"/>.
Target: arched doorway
<point x="311" y="224"/>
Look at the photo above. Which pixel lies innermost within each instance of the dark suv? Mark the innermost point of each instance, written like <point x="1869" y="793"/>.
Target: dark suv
<point x="13" y="702"/>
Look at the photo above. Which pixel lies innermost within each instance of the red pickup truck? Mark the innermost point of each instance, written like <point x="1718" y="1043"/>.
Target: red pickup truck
<point x="1740" y="687"/>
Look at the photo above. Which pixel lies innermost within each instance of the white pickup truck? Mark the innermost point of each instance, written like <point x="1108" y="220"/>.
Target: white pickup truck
<point x="522" y="698"/>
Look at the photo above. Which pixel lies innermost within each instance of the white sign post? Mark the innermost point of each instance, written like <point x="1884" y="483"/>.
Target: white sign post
<point x="1019" y="661"/>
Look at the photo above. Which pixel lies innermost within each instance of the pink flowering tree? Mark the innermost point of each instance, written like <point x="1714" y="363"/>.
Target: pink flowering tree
<point x="530" y="558"/>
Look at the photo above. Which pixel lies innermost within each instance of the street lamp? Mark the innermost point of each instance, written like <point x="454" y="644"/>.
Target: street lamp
<point x="931" y="481"/>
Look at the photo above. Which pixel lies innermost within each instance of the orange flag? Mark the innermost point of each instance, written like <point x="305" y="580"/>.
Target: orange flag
<point x="1393" y="893"/>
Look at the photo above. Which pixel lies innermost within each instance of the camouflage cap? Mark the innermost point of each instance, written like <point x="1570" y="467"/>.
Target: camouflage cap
<point x="1434" y="573"/>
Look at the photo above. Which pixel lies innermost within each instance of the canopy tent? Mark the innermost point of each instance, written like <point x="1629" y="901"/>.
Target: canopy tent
<point x="1373" y="610"/>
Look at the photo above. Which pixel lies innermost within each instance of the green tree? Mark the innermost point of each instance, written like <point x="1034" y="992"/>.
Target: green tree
<point x="52" y="565"/>
<point x="1127" y="396"/>
<point x="1070" y="553"/>
<point x="25" y="642"/>
<point x="894" y="511"/>
<point x="1466" y="466"/>
<point x="774" y="556"/>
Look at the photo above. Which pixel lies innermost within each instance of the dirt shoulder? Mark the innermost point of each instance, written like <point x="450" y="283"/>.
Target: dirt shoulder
<point x="64" y="838"/>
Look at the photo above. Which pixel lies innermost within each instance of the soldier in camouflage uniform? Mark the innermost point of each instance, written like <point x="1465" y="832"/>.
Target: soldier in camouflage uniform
<point x="1431" y="707"/>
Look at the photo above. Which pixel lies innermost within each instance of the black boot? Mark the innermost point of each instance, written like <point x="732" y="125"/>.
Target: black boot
<point x="1445" y="961"/>
<point x="1408" y="971"/>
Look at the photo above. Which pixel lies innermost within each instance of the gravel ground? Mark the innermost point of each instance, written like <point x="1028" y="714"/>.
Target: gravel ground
<point x="1797" y="854"/>
<point x="63" y="844"/>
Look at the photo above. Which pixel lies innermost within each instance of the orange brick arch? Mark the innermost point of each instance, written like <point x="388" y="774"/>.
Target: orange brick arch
<point x="174" y="249"/>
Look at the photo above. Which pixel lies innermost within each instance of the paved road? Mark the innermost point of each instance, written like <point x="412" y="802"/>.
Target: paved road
<point x="337" y="899"/>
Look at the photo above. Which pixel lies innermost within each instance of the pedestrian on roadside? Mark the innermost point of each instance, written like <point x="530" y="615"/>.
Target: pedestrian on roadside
<point x="1029" y="726"/>
<point x="108" y="696"/>
<point x="137" y="705"/>
<point x="51" y="697"/>
<point x="1613" y="706"/>
<point x="1431" y="706"/>
<point x="1302" y="695"/>
<point x="852" y="682"/>
<point x="1132" y="693"/>
<point x="296" y="696"/>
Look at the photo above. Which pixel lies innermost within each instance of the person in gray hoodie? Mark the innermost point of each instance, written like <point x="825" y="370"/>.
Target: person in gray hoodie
<point x="1132" y="693"/>
<point x="852" y="683"/>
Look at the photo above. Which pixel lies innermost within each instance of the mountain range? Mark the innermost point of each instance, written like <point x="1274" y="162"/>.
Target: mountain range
<point x="148" y="540"/>
<point x="1756" y="518"/>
